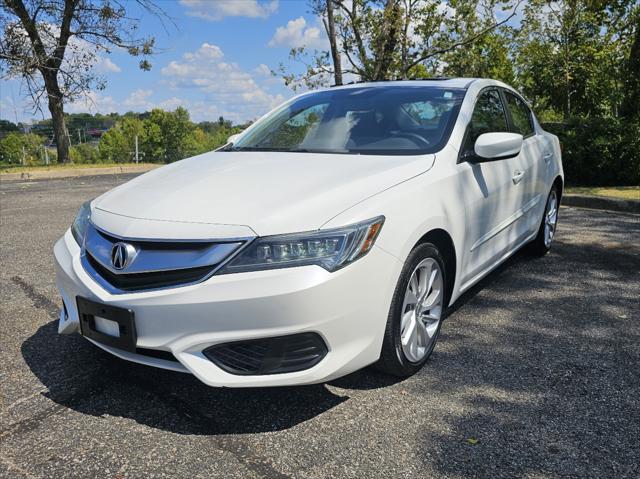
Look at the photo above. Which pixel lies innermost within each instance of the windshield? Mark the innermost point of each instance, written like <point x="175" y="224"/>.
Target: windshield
<point x="382" y="120"/>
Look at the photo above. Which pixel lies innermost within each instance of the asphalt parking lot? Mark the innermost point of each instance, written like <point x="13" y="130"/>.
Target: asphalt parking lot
<point x="537" y="374"/>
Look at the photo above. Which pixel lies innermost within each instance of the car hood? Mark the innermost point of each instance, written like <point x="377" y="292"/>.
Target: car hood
<point x="269" y="192"/>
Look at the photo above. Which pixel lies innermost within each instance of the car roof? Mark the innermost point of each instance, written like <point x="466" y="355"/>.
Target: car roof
<point x="438" y="81"/>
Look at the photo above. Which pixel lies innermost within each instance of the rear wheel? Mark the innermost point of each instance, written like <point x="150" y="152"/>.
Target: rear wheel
<point x="415" y="316"/>
<point x="541" y="244"/>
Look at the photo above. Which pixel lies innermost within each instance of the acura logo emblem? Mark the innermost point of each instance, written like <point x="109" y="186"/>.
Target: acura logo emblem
<point x="122" y="254"/>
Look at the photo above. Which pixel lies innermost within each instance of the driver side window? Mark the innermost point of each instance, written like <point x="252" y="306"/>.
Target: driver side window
<point x="488" y="117"/>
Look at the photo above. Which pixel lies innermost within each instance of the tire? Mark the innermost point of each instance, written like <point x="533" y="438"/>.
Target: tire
<point x="541" y="244"/>
<point x="400" y="355"/>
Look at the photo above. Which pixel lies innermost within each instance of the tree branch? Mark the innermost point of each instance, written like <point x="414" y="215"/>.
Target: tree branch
<point x="65" y="32"/>
<point x="465" y="41"/>
<point x="29" y="24"/>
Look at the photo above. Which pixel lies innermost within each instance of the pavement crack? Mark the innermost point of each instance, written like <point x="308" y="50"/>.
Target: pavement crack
<point x="38" y="299"/>
<point x="31" y="422"/>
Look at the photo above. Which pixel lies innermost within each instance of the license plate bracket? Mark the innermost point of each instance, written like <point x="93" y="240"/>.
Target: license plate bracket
<point x="88" y="311"/>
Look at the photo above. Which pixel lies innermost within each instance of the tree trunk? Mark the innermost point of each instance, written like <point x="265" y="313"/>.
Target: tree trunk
<point x="56" y="108"/>
<point x="335" y="53"/>
<point x="383" y="57"/>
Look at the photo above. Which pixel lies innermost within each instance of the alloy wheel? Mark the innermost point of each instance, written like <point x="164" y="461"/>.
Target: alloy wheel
<point x="550" y="218"/>
<point x="422" y="309"/>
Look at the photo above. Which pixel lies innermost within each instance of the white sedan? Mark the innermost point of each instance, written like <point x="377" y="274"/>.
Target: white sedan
<point x="330" y="235"/>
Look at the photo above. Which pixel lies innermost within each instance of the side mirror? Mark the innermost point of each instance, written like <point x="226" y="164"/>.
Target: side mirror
<point x="497" y="146"/>
<point x="233" y="138"/>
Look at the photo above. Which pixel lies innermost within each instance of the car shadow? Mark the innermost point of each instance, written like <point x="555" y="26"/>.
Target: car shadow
<point x="82" y="377"/>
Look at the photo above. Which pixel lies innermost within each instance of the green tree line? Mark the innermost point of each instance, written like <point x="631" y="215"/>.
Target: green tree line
<point x="162" y="136"/>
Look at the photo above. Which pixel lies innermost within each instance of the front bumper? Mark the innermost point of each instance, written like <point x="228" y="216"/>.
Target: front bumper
<point x="347" y="308"/>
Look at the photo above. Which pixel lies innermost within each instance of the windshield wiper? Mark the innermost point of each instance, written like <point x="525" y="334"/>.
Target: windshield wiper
<point x="313" y="150"/>
<point x="286" y="150"/>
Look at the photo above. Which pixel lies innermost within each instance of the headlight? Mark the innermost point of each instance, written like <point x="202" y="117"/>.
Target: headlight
<point x="79" y="226"/>
<point x="331" y="249"/>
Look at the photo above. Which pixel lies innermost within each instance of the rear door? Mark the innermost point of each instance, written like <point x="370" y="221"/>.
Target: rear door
<point x="491" y="199"/>
<point x="529" y="167"/>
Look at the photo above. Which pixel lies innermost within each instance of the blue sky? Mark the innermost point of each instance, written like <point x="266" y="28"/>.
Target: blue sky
<point x="216" y="61"/>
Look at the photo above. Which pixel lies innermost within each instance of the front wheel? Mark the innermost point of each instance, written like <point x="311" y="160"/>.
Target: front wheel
<point x="541" y="244"/>
<point x="415" y="316"/>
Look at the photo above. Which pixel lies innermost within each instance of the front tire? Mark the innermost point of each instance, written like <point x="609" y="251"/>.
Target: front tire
<point x="415" y="315"/>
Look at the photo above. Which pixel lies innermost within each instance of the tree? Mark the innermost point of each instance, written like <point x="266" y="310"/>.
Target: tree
<point x="631" y="104"/>
<point x="167" y="132"/>
<point x="487" y="57"/>
<point x="53" y="44"/>
<point x="577" y="57"/>
<point x="394" y="39"/>
<point x="6" y="125"/>
<point x="20" y="148"/>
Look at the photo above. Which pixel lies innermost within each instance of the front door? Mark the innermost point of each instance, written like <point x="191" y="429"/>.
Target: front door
<point x="492" y="197"/>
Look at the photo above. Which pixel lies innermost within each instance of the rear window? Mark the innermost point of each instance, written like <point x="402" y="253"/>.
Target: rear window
<point x="520" y="115"/>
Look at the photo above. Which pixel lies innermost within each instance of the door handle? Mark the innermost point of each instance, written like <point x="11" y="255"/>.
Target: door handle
<point x="517" y="176"/>
<point x="547" y="157"/>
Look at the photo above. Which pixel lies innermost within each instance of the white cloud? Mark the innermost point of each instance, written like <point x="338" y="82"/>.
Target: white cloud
<point x="171" y="103"/>
<point x="205" y="52"/>
<point x="92" y="102"/>
<point x="105" y="65"/>
<point x="218" y="9"/>
<point x="226" y="88"/>
<point x="297" y="34"/>
<point x="139" y="99"/>
<point x="263" y="70"/>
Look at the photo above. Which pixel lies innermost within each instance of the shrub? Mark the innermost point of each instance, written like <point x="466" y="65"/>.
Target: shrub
<point x="84" y="153"/>
<point x="17" y="146"/>
<point x="599" y="151"/>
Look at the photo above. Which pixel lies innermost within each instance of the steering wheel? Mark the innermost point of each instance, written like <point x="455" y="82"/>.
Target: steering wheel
<point x="412" y="136"/>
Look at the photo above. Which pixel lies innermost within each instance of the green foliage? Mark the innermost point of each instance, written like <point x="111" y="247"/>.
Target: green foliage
<point x="599" y="151"/>
<point x="6" y="125"/>
<point x="167" y="137"/>
<point x="572" y="56"/>
<point x="16" y="147"/>
<point x="394" y="39"/>
<point x="163" y="137"/>
<point x="487" y="57"/>
<point x="85" y="153"/>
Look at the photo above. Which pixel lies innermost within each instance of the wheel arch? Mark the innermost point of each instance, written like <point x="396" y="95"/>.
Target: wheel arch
<point x="442" y="240"/>
<point x="559" y="183"/>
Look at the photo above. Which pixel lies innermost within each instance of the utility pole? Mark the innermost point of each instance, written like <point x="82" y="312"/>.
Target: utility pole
<point x="24" y="156"/>
<point x="79" y="137"/>
<point x="46" y="154"/>
<point x="136" y="149"/>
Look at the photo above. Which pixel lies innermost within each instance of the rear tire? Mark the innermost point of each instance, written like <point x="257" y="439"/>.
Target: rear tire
<point x="416" y="313"/>
<point x="541" y="244"/>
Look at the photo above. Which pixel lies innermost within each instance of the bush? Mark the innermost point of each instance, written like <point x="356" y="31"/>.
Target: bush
<point x="16" y="147"/>
<point x="84" y="153"/>
<point x="599" y="151"/>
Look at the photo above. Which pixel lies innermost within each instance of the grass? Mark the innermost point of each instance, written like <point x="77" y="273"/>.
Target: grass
<point x="55" y="167"/>
<point x="621" y="192"/>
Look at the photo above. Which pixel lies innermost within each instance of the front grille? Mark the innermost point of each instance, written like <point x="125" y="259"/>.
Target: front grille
<point x="126" y="265"/>
<point x="282" y="354"/>
<point x="151" y="280"/>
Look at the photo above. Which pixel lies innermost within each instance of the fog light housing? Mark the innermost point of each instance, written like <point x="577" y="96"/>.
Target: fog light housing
<point x="277" y="355"/>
